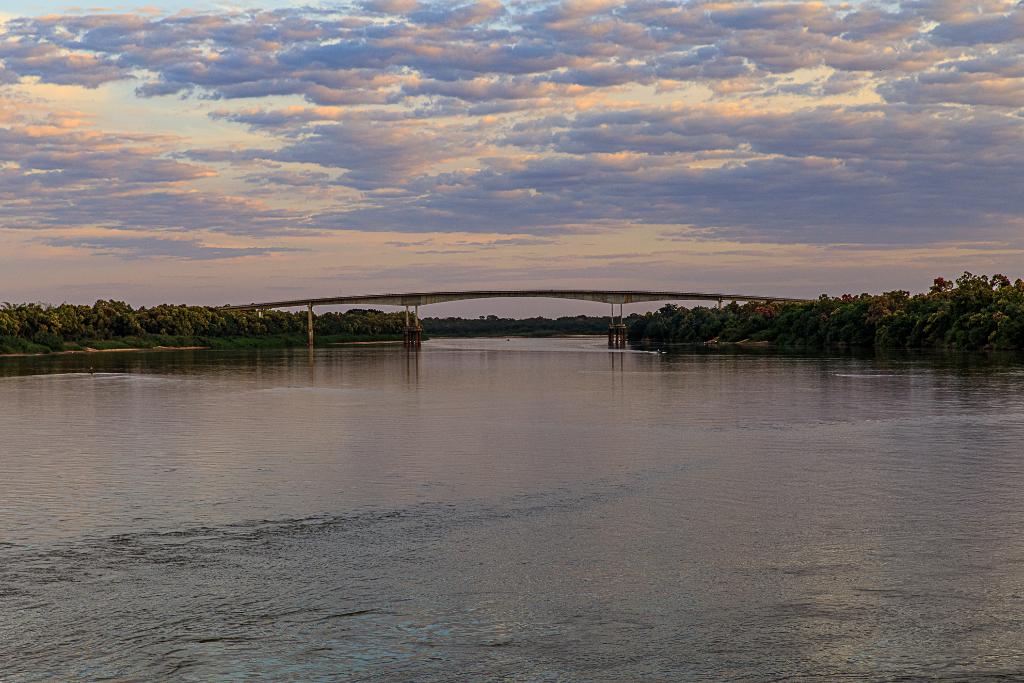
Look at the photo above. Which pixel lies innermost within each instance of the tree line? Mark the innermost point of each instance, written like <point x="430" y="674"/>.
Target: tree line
<point x="973" y="312"/>
<point x="108" y="324"/>
<point x="493" y="326"/>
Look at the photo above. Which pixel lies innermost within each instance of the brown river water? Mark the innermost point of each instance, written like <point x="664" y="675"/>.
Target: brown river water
<point x="528" y="510"/>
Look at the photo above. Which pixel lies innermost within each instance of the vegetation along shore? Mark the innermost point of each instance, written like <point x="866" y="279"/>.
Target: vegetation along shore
<point x="971" y="313"/>
<point x="105" y="325"/>
<point x="974" y="312"/>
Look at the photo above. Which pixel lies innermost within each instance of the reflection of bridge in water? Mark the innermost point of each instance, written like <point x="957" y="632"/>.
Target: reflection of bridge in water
<point x="413" y="301"/>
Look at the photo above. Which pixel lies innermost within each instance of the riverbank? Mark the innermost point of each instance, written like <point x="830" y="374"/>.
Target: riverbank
<point x="91" y="350"/>
<point x="182" y="343"/>
<point x="166" y="343"/>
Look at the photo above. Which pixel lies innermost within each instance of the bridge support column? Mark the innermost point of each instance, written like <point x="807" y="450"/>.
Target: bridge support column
<point x="309" y="323"/>
<point x="413" y="337"/>
<point x="616" y="330"/>
<point x="616" y="336"/>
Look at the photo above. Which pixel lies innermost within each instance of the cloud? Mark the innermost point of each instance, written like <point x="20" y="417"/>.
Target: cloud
<point x="52" y="64"/>
<point x="393" y="50"/>
<point x="155" y="247"/>
<point x="824" y="175"/>
<point x="800" y="122"/>
<point x="1003" y="22"/>
<point x="985" y="79"/>
<point x="57" y="172"/>
<point x="396" y="52"/>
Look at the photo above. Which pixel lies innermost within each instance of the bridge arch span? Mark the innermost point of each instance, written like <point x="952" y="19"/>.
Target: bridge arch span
<point x="427" y="298"/>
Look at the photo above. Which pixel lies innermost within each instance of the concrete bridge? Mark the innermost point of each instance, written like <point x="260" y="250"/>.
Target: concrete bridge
<point x="413" y="300"/>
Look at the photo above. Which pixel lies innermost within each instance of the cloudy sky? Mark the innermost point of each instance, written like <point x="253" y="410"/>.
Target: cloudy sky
<point x="208" y="153"/>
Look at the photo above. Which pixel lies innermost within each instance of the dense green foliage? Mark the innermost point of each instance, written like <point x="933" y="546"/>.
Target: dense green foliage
<point x="974" y="312"/>
<point x="493" y="326"/>
<point x="114" y="324"/>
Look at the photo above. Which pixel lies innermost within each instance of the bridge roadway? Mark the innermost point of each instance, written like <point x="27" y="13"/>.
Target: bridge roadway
<point x="426" y="298"/>
<point x="413" y="330"/>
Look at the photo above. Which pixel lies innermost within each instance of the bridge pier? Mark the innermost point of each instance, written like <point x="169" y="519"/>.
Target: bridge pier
<point x="616" y="330"/>
<point x="309" y="323"/>
<point x="616" y="336"/>
<point x="413" y="337"/>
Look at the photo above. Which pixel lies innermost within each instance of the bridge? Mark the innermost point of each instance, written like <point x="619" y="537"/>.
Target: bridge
<point x="413" y="300"/>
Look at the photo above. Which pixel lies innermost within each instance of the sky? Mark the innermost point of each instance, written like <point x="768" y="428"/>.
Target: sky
<point x="210" y="153"/>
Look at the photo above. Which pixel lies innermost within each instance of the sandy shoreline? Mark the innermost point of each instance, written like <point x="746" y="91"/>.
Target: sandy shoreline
<point x="367" y="342"/>
<point x="89" y="350"/>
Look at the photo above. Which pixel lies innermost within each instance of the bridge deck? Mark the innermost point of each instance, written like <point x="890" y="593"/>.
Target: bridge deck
<point x="426" y="298"/>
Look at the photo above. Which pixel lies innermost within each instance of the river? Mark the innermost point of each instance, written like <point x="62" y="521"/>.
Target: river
<point x="525" y="509"/>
